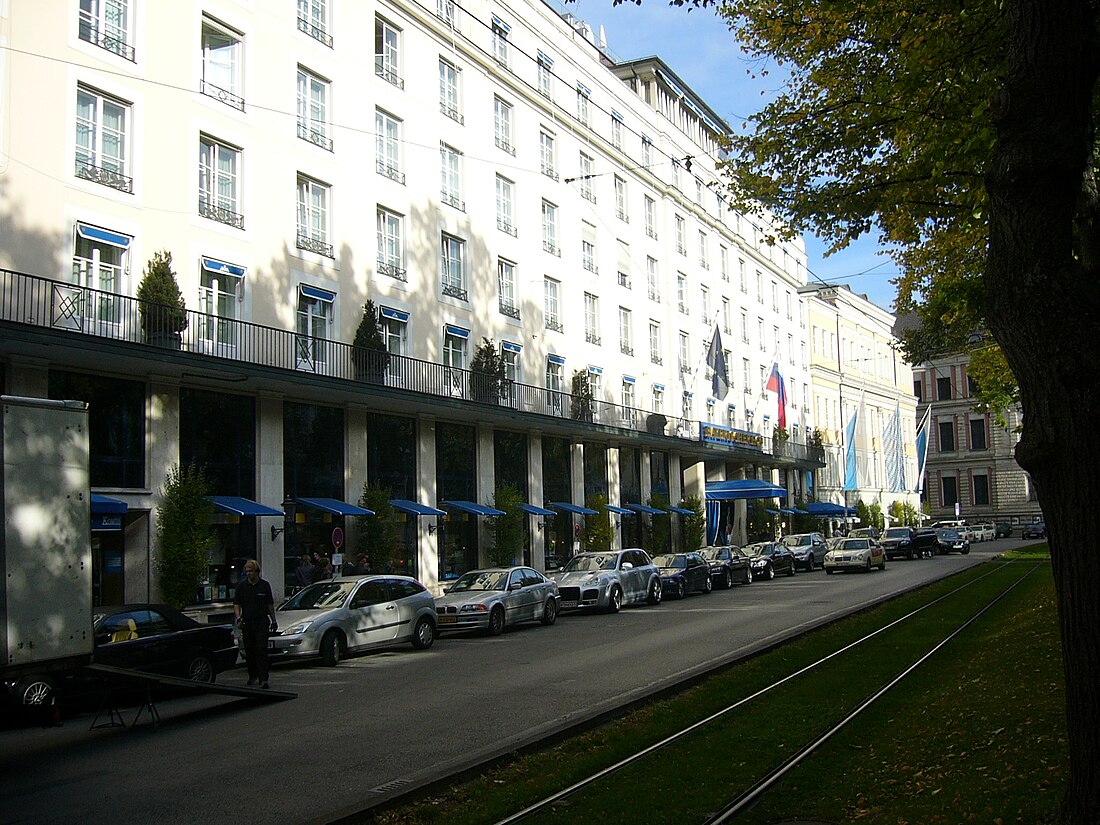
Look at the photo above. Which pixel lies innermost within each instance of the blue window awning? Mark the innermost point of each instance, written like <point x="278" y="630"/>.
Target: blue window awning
<point x="457" y="332"/>
<point x="103" y="506"/>
<point x="555" y="359"/>
<point x="572" y="508"/>
<point x="683" y="511"/>
<point x="508" y="346"/>
<point x="222" y="268"/>
<point x="472" y="507"/>
<point x="335" y="506"/>
<point x="317" y="293"/>
<point x="622" y="511"/>
<point x="395" y="314"/>
<point x="238" y="506"/>
<point x="96" y="233"/>
<point x="628" y="379"/>
<point x="531" y="509"/>
<point x="644" y="508"/>
<point x="743" y="488"/>
<point x="415" y="508"/>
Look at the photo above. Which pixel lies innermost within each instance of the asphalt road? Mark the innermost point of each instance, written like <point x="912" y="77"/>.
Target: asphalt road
<point x="397" y="719"/>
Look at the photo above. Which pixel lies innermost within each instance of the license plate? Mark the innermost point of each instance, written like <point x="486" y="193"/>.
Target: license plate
<point x="569" y="604"/>
<point x="270" y="644"/>
<point x="448" y="619"/>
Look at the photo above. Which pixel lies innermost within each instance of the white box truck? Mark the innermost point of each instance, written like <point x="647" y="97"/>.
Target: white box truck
<point x="45" y="546"/>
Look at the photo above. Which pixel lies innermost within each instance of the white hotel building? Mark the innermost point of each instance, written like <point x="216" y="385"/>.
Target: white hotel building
<point x="485" y="171"/>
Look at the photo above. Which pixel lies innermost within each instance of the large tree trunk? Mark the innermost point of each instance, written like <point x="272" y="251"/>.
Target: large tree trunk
<point x="1044" y="310"/>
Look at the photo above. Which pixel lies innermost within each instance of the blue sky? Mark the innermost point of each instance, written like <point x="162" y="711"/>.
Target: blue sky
<point x="699" y="48"/>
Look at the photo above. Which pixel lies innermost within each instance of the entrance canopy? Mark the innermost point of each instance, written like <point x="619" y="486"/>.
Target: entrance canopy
<point x="826" y="509"/>
<point x="743" y="488"/>
<point x="103" y="506"/>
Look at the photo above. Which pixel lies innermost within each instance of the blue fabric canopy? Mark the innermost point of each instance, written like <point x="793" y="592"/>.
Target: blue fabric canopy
<point x="684" y="511"/>
<point x="472" y="507"/>
<point x="103" y="506"/>
<point x="336" y="507"/>
<point x="826" y="509"/>
<point x="415" y="508"/>
<point x="743" y="488"/>
<point x="643" y="508"/>
<point x="531" y="509"/>
<point x="237" y="506"/>
<point x="573" y="508"/>
<point x="622" y="511"/>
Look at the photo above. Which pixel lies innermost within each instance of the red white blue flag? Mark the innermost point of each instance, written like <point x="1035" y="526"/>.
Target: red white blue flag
<point x="776" y="385"/>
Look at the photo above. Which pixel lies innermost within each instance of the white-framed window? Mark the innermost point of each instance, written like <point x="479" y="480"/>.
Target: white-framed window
<point x="704" y="253"/>
<point x="314" y="316"/>
<point x="106" y="23"/>
<point x="651" y="217"/>
<point x="595" y="384"/>
<point x="591" y="319"/>
<point x="655" y="342"/>
<point x="775" y="297"/>
<point x="620" y="200"/>
<point x="500" y="31"/>
<point x="704" y="303"/>
<point x="584" y="179"/>
<point x="551" y="303"/>
<point x="555" y="381"/>
<point x="742" y="281"/>
<point x="387" y="52"/>
<point x="502" y="125"/>
<point x="102" y="139"/>
<point x="313" y="20"/>
<point x="699" y="191"/>
<point x="513" y="368"/>
<point x="790" y="352"/>
<point x="676" y="173"/>
<point x="647" y="151"/>
<point x="222" y="52"/>
<point x="221" y="288"/>
<point x="658" y="398"/>
<point x="745" y="374"/>
<point x="616" y="130"/>
<point x="629" y="397"/>
<point x="723" y="262"/>
<point x="681" y="293"/>
<point x="790" y="317"/>
<point x="101" y="262"/>
<point x="219" y="184"/>
<point x="448" y="90"/>
<point x="683" y="356"/>
<point x="506" y="288"/>
<point x="545" y="76"/>
<point x="452" y="266"/>
<point x="686" y="406"/>
<point x="450" y="168"/>
<point x="395" y="331"/>
<point x="760" y="335"/>
<point x="547" y="162"/>
<point x="744" y="327"/>
<point x="626" y="331"/>
<point x="588" y="247"/>
<point x="445" y="10"/>
<point x="652" y="279"/>
<point x="583" y="103"/>
<point x="455" y="341"/>
<point x="681" y="235"/>
<point x="506" y="196"/>
<point x="726" y="328"/>
<point x="313" y="94"/>
<point x="313" y="216"/>
<point x="550" y="228"/>
<point x="391" y="244"/>
<point x="387" y="144"/>
<point x="759" y="287"/>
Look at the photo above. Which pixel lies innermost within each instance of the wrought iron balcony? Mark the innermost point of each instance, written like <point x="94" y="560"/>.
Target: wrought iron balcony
<point x="654" y="358"/>
<point x="90" y="33"/>
<point x="624" y="280"/>
<point x="588" y="195"/>
<point x="593" y="338"/>
<point x="509" y="309"/>
<point x="622" y="216"/>
<point x="452" y="199"/>
<point x="455" y="292"/>
<point x="554" y="324"/>
<point x="505" y="226"/>
<point x="220" y="214"/>
<point x="626" y="350"/>
<point x="649" y="230"/>
<point x="314" y="136"/>
<point x="551" y="247"/>
<point x="396" y="272"/>
<point x="548" y="170"/>
<point x="87" y="170"/>
<point x="506" y="145"/>
<point x="388" y="73"/>
<point x="391" y="172"/>
<point x="451" y="112"/>
<point x="224" y="95"/>
<point x="590" y="266"/>
<point x="72" y="315"/>
<point x="318" y="33"/>
<point x="314" y="245"/>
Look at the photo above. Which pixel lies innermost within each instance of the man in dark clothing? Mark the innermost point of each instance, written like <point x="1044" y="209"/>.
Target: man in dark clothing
<point x="254" y="607"/>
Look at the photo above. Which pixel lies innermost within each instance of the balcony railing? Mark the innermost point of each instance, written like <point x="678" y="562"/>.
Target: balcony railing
<point x="452" y="199"/>
<point x="314" y="245"/>
<point x="504" y="225"/>
<point x="224" y="95"/>
<point x="314" y="136"/>
<point x="555" y="325"/>
<point x="509" y="309"/>
<point x="100" y="174"/>
<point x="316" y="32"/>
<point x="76" y="313"/>
<point x="391" y="172"/>
<point x="220" y="214"/>
<point x="455" y="291"/>
<point x="551" y="247"/>
<point x="593" y="338"/>
<point x="451" y="112"/>
<point x="506" y="145"/>
<point x="90" y="32"/>
<point x="388" y="73"/>
<point x="396" y="272"/>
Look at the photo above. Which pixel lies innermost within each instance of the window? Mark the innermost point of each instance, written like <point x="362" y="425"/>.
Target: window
<point x="500" y="31"/>
<point x="391" y="247"/>
<point x="445" y="10"/>
<point x="546" y="155"/>
<point x="506" y="196"/>
<point x="699" y="191"/>
<point x="395" y="332"/>
<point x="977" y="434"/>
<point x="545" y="72"/>
<point x="313" y="217"/>
<point x="971" y="386"/>
<point x="550" y="228"/>
<point x="221" y="64"/>
<point x="450" y="191"/>
<point x="949" y="491"/>
<point x="106" y="23"/>
<point x="947" y="436"/>
<point x="775" y="298"/>
<point x="723" y="261"/>
<point x="704" y="303"/>
<point x="629" y="399"/>
<point x="218" y="164"/>
<point x="555" y="369"/>
<point x="506" y="286"/>
<point x="741" y="276"/>
<point x="313" y="318"/>
<point x="652" y="279"/>
<point x="676" y="172"/>
<point x="684" y="355"/>
<point x="943" y="388"/>
<point x="759" y="287"/>
<point x="658" y="398"/>
<point x="454" y="346"/>
<point x="745" y="376"/>
<point x="681" y="293"/>
<point x="651" y="217"/>
<point x="387" y="52"/>
<point x="448" y="90"/>
<point x="616" y="130"/>
<point x="686" y="407"/>
<point x="100" y="262"/>
<point x="313" y="109"/>
<point x="509" y="354"/>
<point x="789" y="316"/>
<point x="592" y="319"/>
<point x="647" y="151"/>
<point x="551" y="304"/>
<point x="388" y="146"/>
<point x="102" y="140"/>
<point x="704" y="256"/>
<point x="588" y="247"/>
<point x="744" y="327"/>
<point x="220" y="292"/>
<point x="583" y="95"/>
<point x="655" y="343"/>
<point x="726" y="328"/>
<point x="626" y="332"/>
<point x="313" y="20"/>
<point x="502" y="125"/>
<point x="620" y="200"/>
<point x="918" y="389"/>
<point x="981" y="489"/>
<point x="681" y="242"/>
<point x="760" y="334"/>
<point x="452" y="262"/>
<point x="584" y="179"/>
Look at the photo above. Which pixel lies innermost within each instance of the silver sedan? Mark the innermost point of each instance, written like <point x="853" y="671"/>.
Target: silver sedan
<point x="335" y="617"/>
<point x="497" y="597"/>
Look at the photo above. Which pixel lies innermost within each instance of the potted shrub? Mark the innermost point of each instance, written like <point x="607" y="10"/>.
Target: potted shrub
<point x="487" y="373"/>
<point x="368" y="353"/>
<point x="161" y="309"/>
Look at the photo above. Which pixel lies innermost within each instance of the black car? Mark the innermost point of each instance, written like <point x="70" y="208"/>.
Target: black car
<point x="900" y="542"/>
<point x="683" y="573"/>
<point x="1035" y="530"/>
<point x="727" y="566"/>
<point x="951" y="541"/>
<point x="769" y="558"/>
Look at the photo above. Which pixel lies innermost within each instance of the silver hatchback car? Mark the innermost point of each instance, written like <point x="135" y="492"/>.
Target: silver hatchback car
<point x="336" y="617"/>
<point x="609" y="580"/>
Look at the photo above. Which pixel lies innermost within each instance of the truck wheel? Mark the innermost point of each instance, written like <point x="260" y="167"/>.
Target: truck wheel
<point x="34" y="690"/>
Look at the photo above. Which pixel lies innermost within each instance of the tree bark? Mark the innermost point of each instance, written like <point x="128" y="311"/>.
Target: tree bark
<point x="1042" y="298"/>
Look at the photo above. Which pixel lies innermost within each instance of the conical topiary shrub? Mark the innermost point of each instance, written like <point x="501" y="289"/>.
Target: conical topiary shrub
<point x="162" y="310"/>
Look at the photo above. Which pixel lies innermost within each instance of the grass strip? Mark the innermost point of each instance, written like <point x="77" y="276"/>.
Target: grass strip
<point x="686" y="781"/>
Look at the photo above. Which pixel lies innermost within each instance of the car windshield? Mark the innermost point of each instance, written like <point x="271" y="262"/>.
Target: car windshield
<point x="949" y="535"/>
<point x="590" y="561"/>
<point x="897" y="533"/>
<point x="481" y="580"/>
<point x="319" y="595"/>
<point x="670" y="560"/>
<point x="759" y="549"/>
<point x="796" y="541"/>
<point x="712" y="553"/>
<point x="862" y="531"/>
<point x="853" y="544"/>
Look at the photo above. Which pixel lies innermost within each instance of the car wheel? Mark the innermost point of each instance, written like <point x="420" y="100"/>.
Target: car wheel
<point x="615" y="599"/>
<point x="201" y="669"/>
<point x="423" y="634"/>
<point x="33" y="690"/>
<point x="655" y="592"/>
<point x="966" y="551"/>
<point x="549" y="612"/>
<point x="681" y="589"/>
<point x="769" y="572"/>
<point x="748" y="575"/>
<point x="882" y="564"/>
<point x="790" y="570"/>
<point x="496" y="621"/>
<point x="728" y="580"/>
<point x="332" y="648"/>
<point x="867" y="569"/>
<point x="708" y="585"/>
<point x="828" y="571"/>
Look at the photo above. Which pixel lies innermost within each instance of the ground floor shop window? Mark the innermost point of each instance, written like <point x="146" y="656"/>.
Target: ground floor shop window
<point x="457" y="546"/>
<point x="234" y="544"/>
